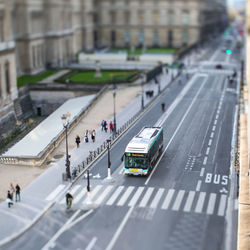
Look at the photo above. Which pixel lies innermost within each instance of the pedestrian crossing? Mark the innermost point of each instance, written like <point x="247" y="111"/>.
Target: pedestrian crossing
<point x="150" y="197"/>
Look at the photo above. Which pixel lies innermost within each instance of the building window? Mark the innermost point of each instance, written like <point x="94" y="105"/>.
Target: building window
<point x="185" y="17"/>
<point x="170" y="17"/>
<point x="170" y="38"/>
<point x="113" y="17"/>
<point x="141" y="37"/>
<point x="127" y="37"/>
<point x="184" y="37"/>
<point x="113" y="38"/>
<point x="156" y="17"/>
<point x="141" y="17"/>
<point x="156" y="38"/>
<point x="7" y="77"/>
<point x="127" y="17"/>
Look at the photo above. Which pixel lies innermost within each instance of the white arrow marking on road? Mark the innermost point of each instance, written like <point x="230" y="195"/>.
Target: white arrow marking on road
<point x="97" y="176"/>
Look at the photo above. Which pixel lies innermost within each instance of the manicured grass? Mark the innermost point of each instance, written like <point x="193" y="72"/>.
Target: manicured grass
<point x="107" y="76"/>
<point x="138" y="51"/>
<point x="22" y="80"/>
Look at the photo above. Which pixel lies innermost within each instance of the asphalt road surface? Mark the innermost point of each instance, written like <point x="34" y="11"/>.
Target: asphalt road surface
<point x="188" y="200"/>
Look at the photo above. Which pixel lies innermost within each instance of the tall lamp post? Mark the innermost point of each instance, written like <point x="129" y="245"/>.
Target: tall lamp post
<point x="65" y="122"/>
<point x="143" y="80"/>
<point x="114" y="95"/>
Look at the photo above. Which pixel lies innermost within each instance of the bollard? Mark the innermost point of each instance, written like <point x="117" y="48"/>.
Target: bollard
<point x="87" y="160"/>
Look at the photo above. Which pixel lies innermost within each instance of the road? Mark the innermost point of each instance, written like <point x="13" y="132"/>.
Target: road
<point x="187" y="202"/>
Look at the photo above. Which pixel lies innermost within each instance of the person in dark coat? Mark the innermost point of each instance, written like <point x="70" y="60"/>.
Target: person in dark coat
<point x="78" y="140"/>
<point x="18" y="189"/>
<point x="105" y="126"/>
<point x="9" y="199"/>
<point x="86" y="136"/>
<point x="93" y="135"/>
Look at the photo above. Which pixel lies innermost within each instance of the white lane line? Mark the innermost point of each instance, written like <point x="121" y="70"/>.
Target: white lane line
<point x="80" y="195"/>
<point x="222" y="205"/>
<point x="168" y="199"/>
<point x="177" y="129"/>
<point x="93" y="193"/>
<point x="202" y="172"/>
<point x="119" y="230"/>
<point x="73" y="191"/>
<point x="60" y="231"/>
<point x="210" y="142"/>
<point x="212" y="135"/>
<point x="211" y="203"/>
<point x="200" y="202"/>
<point x="125" y="196"/>
<point x="113" y="198"/>
<point x="208" y="149"/>
<point x="198" y="187"/>
<point x="215" y="122"/>
<point x="157" y="198"/>
<point x="52" y="195"/>
<point x="205" y="160"/>
<point x="189" y="201"/>
<point x="104" y="195"/>
<point x="146" y="197"/>
<point x="217" y="116"/>
<point x="178" y="200"/>
<point x="136" y="196"/>
<point x="91" y="244"/>
<point x="214" y="127"/>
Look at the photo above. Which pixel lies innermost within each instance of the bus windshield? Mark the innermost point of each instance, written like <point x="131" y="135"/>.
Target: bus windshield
<point x="136" y="162"/>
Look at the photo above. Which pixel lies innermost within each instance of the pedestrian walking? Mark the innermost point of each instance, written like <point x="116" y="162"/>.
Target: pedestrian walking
<point x="111" y="127"/>
<point x="93" y="135"/>
<point x="9" y="199"/>
<point x="78" y="140"/>
<point x="12" y="190"/>
<point x="18" y="189"/>
<point x="105" y="126"/>
<point x="86" y="136"/>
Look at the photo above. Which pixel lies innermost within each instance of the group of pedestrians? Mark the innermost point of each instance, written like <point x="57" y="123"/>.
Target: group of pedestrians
<point x="11" y="192"/>
<point x="92" y="135"/>
<point x="104" y="126"/>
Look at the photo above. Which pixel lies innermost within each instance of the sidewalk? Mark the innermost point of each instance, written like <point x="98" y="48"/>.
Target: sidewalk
<point x="33" y="205"/>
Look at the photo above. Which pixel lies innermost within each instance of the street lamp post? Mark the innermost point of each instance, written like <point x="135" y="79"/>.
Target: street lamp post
<point x="65" y="121"/>
<point x="143" y="80"/>
<point x="114" y="95"/>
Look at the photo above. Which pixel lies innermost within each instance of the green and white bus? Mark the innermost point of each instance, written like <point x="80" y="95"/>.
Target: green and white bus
<point x="143" y="150"/>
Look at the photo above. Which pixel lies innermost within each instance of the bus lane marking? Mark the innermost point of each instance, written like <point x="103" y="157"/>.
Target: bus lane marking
<point x="198" y="187"/>
<point x="177" y="129"/>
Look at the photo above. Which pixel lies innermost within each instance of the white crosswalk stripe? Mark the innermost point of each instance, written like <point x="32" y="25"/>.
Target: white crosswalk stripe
<point x="136" y="197"/>
<point x="222" y="205"/>
<point x="104" y="194"/>
<point x="200" y="202"/>
<point x="125" y="196"/>
<point x="93" y="193"/>
<point x="157" y="198"/>
<point x="146" y="197"/>
<point x="52" y="195"/>
<point x="115" y="196"/>
<point x="211" y="203"/>
<point x="168" y="199"/>
<point x="191" y="201"/>
<point x="178" y="200"/>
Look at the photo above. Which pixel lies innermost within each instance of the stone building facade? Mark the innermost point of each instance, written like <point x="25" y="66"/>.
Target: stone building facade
<point x="163" y="23"/>
<point x="48" y="32"/>
<point x="52" y="32"/>
<point x="8" y="89"/>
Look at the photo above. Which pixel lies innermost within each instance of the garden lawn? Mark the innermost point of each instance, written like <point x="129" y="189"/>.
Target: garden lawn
<point x="22" y="80"/>
<point x="107" y="76"/>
